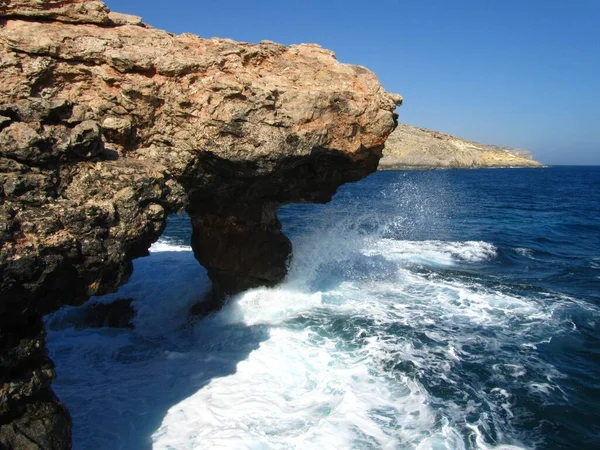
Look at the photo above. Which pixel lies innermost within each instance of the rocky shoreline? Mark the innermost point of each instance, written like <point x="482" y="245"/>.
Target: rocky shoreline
<point x="410" y="147"/>
<point x="108" y="125"/>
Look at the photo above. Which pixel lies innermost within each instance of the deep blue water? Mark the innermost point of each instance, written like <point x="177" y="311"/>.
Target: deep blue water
<point x="545" y="226"/>
<point x="424" y="309"/>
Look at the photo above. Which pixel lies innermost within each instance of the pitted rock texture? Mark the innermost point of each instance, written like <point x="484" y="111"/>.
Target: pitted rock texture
<point x="108" y="125"/>
<point x="70" y="11"/>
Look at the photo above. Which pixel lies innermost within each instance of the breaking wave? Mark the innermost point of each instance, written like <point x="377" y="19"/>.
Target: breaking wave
<point x="375" y="340"/>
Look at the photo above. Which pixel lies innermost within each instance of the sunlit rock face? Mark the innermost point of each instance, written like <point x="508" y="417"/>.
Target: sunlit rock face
<point x="108" y="125"/>
<point x="410" y="147"/>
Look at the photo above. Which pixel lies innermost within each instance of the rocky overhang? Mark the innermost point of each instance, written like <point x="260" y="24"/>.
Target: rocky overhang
<point x="108" y="125"/>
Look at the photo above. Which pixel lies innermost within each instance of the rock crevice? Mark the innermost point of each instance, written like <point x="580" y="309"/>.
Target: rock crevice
<point x="108" y="125"/>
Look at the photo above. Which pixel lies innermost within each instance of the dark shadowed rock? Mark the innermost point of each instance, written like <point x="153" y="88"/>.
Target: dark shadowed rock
<point x="44" y="424"/>
<point x="241" y="248"/>
<point x="118" y="314"/>
<point x="31" y="417"/>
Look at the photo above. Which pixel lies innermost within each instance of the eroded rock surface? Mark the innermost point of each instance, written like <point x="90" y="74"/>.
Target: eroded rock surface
<point x="108" y="125"/>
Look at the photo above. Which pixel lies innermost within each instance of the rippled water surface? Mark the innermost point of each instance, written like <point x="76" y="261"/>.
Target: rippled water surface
<point x="451" y="309"/>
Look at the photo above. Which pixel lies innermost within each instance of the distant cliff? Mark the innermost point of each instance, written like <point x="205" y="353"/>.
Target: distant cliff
<point x="108" y="125"/>
<point x="410" y="147"/>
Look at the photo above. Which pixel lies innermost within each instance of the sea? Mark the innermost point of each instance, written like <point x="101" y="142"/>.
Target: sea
<point x="442" y="309"/>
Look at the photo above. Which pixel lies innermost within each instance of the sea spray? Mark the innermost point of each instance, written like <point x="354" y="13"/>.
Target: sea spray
<point x="387" y="333"/>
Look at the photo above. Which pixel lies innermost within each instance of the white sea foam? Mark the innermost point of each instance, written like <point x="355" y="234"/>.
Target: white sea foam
<point x="525" y="252"/>
<point x="433" y="252"/>
<point x="305" y="387"/>
<point x="166" y="245"/>
<point x="299" y="389"/>
<point x="349" y="352"/>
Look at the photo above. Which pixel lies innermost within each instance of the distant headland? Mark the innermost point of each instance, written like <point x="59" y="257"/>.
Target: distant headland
<point x="410" y="147"/>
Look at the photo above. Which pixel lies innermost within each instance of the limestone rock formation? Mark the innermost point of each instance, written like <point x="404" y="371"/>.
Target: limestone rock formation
<point x="411" y="147"/>
<point x="108" y="125"/>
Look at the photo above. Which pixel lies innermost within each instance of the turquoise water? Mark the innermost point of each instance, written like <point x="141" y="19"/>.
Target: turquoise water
<point x="441" y="309"/>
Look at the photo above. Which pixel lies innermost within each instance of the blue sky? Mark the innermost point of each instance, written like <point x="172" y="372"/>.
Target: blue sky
<point x="521" y="73"/>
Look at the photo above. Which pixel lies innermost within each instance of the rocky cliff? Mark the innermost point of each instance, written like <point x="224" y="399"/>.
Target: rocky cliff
<point x="108" y="125"/>
<point x="412" y="148"/>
